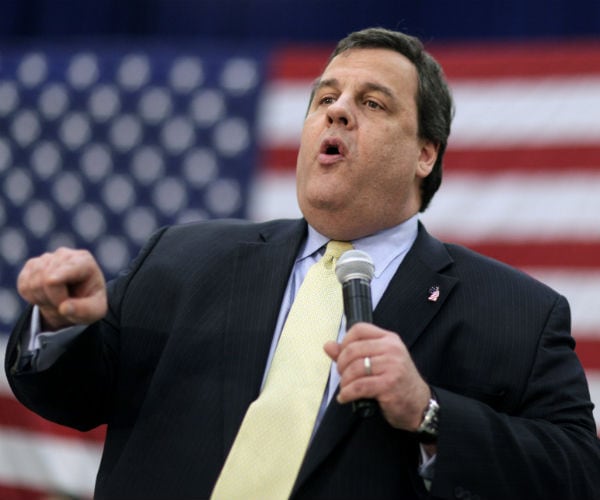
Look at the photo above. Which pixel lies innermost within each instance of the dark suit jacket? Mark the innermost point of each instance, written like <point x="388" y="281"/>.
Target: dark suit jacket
<point x="181" y="353"/>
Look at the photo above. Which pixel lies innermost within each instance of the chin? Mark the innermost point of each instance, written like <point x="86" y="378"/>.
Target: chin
<point x="332" y="224"/>
<point x="319" y="208"/>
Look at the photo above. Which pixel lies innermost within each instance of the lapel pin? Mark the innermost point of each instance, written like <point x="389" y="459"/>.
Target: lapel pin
<point x="434" y="293"/>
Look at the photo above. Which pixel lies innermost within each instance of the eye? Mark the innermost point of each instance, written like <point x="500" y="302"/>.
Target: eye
<point x="373" y="104"/>
<point x="326" y="100"/>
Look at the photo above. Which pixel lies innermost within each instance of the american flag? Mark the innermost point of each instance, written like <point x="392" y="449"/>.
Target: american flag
<point x="102" y="144"/>
<point x="434" y="294"/>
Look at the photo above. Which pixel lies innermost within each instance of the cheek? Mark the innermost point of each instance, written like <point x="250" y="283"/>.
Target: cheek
<point x="304" y="169"/>
<point x="392" y="169"/>
<point x="303" y="157"/>
<point x="310" y="129"/>
<point x="306" y="152"/>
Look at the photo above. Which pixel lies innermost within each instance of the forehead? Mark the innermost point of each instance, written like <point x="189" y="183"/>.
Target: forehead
<point x="380" y="66"/>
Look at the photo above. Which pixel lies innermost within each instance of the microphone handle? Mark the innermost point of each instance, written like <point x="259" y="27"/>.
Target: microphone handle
<point x="358" y="308"/>
<point x="357" y="302"/>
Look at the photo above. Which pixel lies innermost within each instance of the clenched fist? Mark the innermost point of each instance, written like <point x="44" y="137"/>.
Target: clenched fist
<point x="67" y="285"/>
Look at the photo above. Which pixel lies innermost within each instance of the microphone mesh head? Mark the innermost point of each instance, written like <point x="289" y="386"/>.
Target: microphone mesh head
<point x="354" y="264"/>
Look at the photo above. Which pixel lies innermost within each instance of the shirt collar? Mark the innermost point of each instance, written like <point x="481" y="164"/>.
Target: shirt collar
<point x="383" y="246"/>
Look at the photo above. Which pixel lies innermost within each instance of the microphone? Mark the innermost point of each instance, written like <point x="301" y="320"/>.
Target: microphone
<point x="354" y="270"/>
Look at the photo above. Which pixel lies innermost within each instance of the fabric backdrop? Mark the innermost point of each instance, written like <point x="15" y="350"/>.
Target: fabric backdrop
<point x="102" y="143"/>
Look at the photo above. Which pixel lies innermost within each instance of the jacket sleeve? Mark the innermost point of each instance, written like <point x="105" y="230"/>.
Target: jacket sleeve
<point x="546" y="449"/>
<point x="76" y="389"/>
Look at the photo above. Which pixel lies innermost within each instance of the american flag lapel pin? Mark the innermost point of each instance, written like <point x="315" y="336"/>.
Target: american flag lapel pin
<point x="434" y="293"/>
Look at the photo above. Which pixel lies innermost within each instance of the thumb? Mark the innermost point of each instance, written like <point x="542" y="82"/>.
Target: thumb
<point x="84" y="310"/>
<point x="66" y="308"/>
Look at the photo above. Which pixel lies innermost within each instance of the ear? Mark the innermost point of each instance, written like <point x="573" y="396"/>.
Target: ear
<point x="427" y="158"/>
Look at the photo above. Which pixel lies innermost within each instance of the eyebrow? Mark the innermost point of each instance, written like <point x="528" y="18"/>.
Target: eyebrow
<point x="368" y="86"/>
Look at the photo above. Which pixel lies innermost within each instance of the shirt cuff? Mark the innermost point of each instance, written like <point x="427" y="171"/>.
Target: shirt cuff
<point x="44" y="348"/>
<point x="426" y="467"/>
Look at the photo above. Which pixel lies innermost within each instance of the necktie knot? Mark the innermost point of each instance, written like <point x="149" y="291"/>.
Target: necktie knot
<point x="336" y="248"/>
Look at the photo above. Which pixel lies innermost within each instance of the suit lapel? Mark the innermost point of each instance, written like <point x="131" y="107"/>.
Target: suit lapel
<point x="409" y="303"/>
<point x="405" y="308"/>
<point x="255" y="296"/>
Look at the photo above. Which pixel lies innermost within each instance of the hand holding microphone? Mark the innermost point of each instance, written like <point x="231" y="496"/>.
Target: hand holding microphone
<point x="354" y="270"/>
<point x="396" y="387"/>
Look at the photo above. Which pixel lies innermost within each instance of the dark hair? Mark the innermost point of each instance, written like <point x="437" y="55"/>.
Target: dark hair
<point x="434" y="101"/>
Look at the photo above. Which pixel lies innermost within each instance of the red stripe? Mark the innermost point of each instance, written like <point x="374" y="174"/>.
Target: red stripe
<point x="532" y="254"/>
<point x="528" y="59"/>
<point x="588" y="350"/>
<point x="536" y="159"/>
<point x="527" y="159"/>
<point x="8" y="492"/>
<point x="298" y="62"/>
<point x="14" y="414"/>
<point x="279" y="159"/>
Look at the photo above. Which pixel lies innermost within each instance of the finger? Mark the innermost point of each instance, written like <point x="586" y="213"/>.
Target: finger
<point x="55" y="294"/>
<point x="47" y="269"/>
<point x="72" y="274"/>
<point x="31" y="279"/>
<point x="362" y="331"/>
<point x="70" y="267"/>
<point x="332" y="349"/>
<point x="360" y="387"/>
<point x="359" y="369"/>
<point x="357" y="350"/>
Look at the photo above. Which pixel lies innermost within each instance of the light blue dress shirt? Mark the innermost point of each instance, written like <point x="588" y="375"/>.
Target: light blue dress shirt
<point x="387" y="249"/>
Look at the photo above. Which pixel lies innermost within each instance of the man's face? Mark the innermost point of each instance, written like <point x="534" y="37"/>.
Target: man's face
<point x="360" y="161"/>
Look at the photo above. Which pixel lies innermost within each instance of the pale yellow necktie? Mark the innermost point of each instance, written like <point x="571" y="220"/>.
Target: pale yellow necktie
<point x="270" y="445"/>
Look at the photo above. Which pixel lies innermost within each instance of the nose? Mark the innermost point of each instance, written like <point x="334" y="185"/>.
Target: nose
<point x="340" y="112"/>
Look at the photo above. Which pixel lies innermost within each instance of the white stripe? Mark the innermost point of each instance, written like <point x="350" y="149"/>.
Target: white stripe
<point x="552" y="110"/>
<point x="4" y="387"/>
<point x="477" y="207"/>
<point x="513" y="206"/>
<point x="272" y="196"/>
<point x="281" y="112"/>
<point x="526" y="111"/>
<point x="593" y="377"/>
<point x="581" y="288"/>
<point x="46" y="463"/>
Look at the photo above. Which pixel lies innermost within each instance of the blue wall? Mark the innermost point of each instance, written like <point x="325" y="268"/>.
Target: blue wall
<point x="300" y="20"/>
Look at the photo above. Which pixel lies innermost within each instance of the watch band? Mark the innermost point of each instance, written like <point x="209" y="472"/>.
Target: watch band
<point x="428" y="430"/>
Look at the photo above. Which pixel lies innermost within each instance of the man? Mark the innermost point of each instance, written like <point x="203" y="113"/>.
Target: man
<point x="471" y="364"/>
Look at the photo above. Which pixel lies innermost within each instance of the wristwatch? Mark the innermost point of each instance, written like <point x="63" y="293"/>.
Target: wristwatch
<point x="427" y="432"/>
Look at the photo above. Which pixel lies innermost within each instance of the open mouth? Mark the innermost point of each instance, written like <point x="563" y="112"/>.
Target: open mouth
<point x="332" y="147"/>
<point x="332" y="151"/>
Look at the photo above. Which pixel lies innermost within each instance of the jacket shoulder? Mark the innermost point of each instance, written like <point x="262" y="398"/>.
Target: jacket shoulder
<point x="231" y="229"/>
<point x="493" y="273"/>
